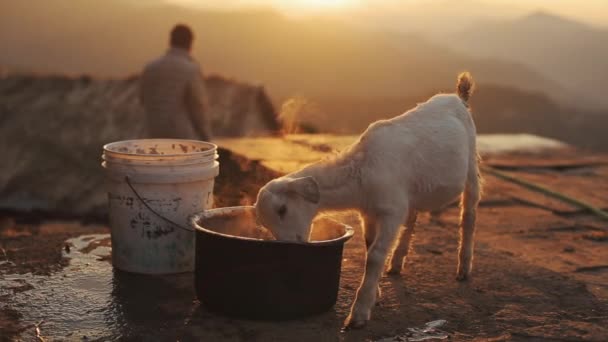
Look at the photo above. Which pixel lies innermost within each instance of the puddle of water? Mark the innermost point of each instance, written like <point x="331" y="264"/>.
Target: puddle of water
<point x="89" y="299"/>
<point x="430" y="331"/>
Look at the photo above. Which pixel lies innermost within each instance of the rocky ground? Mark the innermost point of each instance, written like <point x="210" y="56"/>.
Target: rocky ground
<point x="540" y="274"/>
<point x="53" y="128"/>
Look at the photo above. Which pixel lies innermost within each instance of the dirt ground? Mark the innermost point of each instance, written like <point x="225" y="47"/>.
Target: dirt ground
<point x="540" y="273"/>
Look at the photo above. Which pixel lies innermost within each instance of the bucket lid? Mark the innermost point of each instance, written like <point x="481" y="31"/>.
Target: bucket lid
<point x="156" y="147"/>
<point x="151" y="150"/>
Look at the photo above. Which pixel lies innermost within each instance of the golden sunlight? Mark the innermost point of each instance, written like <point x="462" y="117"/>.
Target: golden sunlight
<point x="316" y="5"/>
<point x="319" y="4"/>
<point x="289" y="8"/>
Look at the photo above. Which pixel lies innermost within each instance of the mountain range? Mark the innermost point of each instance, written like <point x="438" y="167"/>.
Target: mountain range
<point x="538" y="69"/>
<point x="308" y="57"/>
<point x="573" y="54"/>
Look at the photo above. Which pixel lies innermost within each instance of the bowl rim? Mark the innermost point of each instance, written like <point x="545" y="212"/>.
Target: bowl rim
<point x="195" y="218"/>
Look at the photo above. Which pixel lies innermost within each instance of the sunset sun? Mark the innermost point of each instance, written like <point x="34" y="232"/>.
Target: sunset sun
<point x="319" y="4"/>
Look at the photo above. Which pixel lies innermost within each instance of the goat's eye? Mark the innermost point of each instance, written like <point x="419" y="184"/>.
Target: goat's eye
<point x="282" y="211"/>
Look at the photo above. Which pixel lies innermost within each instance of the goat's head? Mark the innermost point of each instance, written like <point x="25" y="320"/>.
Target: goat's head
<point x="287" y="206"/>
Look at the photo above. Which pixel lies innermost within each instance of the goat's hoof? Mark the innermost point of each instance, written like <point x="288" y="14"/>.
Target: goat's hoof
<point x="351" y="324"/>
<point x="357" y="319"/>
<point x="462" y="276"/>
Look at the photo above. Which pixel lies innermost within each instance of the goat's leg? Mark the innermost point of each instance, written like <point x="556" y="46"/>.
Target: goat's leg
<point x="370" y="227"/>
<point x="469" y="201"/>
<point x="402" y="247"/>
<point x="388" y="226"/>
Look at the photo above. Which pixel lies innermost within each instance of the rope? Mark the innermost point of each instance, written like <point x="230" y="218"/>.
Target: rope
<point x="152" y="210"/>
<point x="548" y="192"/>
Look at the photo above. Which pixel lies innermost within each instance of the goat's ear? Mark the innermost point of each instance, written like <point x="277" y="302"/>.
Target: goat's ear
<point x="306" y="187"/>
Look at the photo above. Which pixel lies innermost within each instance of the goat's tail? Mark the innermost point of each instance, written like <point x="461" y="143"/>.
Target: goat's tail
<point x="465" y="86"/>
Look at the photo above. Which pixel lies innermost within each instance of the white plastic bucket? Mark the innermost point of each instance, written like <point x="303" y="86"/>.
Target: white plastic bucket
<point x="154" y="185"/>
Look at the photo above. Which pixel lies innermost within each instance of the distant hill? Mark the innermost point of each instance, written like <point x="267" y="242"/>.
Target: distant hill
<point x="348" y="76"/>
<point x="495" y="108"/>
<point x="313" y="58"/>
<point x="432" y="17"/>
<point x="500" y="109"/>
<point x="571" y="53"/>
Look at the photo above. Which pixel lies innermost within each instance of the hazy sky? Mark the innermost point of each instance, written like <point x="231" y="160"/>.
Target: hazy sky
<point x="591" y="11"/>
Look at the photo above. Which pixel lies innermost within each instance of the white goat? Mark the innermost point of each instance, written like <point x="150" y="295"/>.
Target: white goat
<point x="418" y="161"/>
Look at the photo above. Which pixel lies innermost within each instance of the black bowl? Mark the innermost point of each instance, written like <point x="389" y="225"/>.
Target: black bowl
<point x="240" y="273"/>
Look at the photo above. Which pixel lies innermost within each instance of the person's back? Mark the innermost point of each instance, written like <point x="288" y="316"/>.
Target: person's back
<point x="172" y="93"/>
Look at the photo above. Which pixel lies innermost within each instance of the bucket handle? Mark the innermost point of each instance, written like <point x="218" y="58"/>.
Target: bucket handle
<point x="152" y="210"/>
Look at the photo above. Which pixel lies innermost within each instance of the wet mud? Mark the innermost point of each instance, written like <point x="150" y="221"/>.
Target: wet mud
<point x="508" y="298"/>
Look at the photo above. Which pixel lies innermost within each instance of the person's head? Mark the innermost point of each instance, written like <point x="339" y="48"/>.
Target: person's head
<point x="181" y="37"/>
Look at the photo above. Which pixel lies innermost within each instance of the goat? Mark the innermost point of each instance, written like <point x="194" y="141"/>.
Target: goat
<point x="419" y="161"/>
